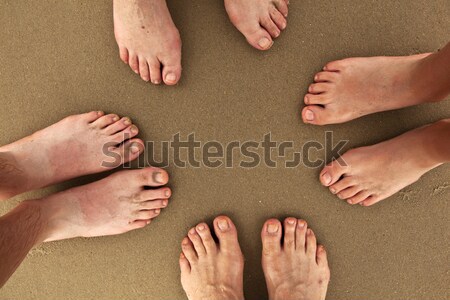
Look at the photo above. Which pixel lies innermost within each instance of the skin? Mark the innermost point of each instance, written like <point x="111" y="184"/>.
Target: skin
<point x="114" y="205"/>
<point x="356" y="176"/>
<point x="260" y="21"/>
<point x="70" y="148"/>
<point x="354" y="87"/>
<point x="148" y="40"/>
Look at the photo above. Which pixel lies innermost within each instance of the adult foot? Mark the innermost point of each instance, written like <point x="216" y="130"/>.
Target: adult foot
<point x="350" y="88"/>
<point x="77" y="145"/>
<point x="296" y="268"/>
<point x="211" y="270"/>
<point x="370" y="174"/>
<point x="148" y="39"/>
<point x="113" y="205"/>
<point x="258" y="20"/>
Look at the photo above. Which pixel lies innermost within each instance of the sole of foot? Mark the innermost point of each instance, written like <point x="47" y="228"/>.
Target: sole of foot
<point x="121" y="202"/>
<point x="148" y="40"/>
<point x="211" y="270"/>
<point x="77" y="145"/>
<point x="354" y="87"/>
<point x="260" y="21"/>
<point x="370" y="174"/>
<point x="294" y="266"/>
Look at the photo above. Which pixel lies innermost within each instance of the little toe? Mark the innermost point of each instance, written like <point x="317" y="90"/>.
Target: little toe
<point x="185" y="267"/>
<point x="117" y="126"/>
<point x="270" y="26"/>
<point x="316" y="115"/>
<point x="348" y="193"/>
<point x="208" y="241"/>
<point x="342" y="184"/>
<point x="289" y="233"/>
<point x="128" y="133"/>
<point x="189" y="251"/>
<point x="311" y="244"/>
<point x="227" y="234"/>
<point x="92" y="116"/>
<point x="361" y="196"/>
<point x="153" y="204"/>
<point x="320" y="87"/>
<point x="326" y="77"/>
<point x="104" y="121"/>
<point x="133" y="63"/>
<point x="155" y="71"/>
<point x="336" y="65"/>
<point x="197" y="242"/>
<point x="371" y="200"/>
<point x="271" y="237"/>
<point x="147" y="214"/>
<point x="123" y="53"/>
<point x="278" y="18"/>
<point x="139" y="224"/>
<point x="143" y="69"/>
<point x="321" y="258"/>
<point x="300" y="235"/>
<point x="320" y="99"/>
<point x="332" y="172"/>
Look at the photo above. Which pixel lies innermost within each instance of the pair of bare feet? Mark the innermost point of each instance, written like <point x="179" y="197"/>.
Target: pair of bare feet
<point x="150" y="43"/>
<point x="295" y="267"/>
<point x="351" y="88"/>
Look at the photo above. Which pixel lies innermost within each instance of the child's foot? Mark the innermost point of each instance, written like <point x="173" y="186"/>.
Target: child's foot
<point x="350" y="88"/>
<point x="370" y="174"/>
<point x="296" y="268"/>
<point x="211" y="270"/>
<point x="114" y="205"/>
<point x="78" y="145"/>
<point x="258" y="20"/>
<point x="148" y="39"/>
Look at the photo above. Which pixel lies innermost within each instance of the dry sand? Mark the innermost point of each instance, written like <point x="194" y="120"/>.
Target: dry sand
<point x="59" y="58"/>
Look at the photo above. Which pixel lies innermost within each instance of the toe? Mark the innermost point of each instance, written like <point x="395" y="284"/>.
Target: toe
<point x="146" y="195"/>
<point x="336" y="65"/>
<point x="270" y="26"/>
<point x="185" y="267"/>
<point x="361" y="196"/>
<point x="311" y="244"/>
<point x="226" y="233"/>
<point x="118" y="126"/>
<point x="349" y="192"/>
<point x="143" y="69"/>
<point x="208" y="241"/>
<point x="316" y="115"/>
<point x="278" y="18"/>
<point x="128" y="151"/>
<point x="151" y="176"/>
<point x="104" y="121"/>
<point x="321" y="258"/>
<point x="123" y="53"/>
<point x="342" y="184"/>
<point x="289" y="233"/>
<point x="189" y="251"/>
<point x="92" y="116"/>
<point x="326" y="77"/>
<point x="257" y="37"/>
<point x="153" y="204"/>
<point x="155" y="71"/>
<point x="371" y="200"/>
<point x="133" y="62"/>
<point x="320" y="87"/>
<point x="332" y="172"/>
<point x="147" y="214"/>
<point x="197" y="242"/>
<point x="321" y="99"/>
<point x="128" y="133"/>
<point x="282" y="7"/>
<point x="300" y="235"/>
<point x="271" y="237"/>
<point x="139" y="224"/>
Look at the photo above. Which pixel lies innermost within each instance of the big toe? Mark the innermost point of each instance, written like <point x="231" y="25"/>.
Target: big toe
<point x="171" y="61"/>
<point x="271" y="237"/>
<point x="258" y="38"/>
<point x="227" y="235"/>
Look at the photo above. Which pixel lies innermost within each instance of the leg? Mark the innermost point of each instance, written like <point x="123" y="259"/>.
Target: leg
<point x="211" y="270"/>
<point x="114" y="205"/>
<point x="370" y="174"/>
<point x="258" y="20"/>
<point x="148" y="39"/>
<point x="78" y="145"/>
<point x="354" y="87"/>
<point x="296" y="268"/>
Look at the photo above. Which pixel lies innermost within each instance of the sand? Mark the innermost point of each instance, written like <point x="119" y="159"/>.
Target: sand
<point x="59" y="58"/>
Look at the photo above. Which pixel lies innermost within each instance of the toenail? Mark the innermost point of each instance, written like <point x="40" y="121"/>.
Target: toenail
<point x="265" y="43"/>
<point x="136" y="71"/>
<point x="291" y="221"/>
<point x="326" y="178"/>
<point x="201" y="227"/>
<point x="164" y="203"/>
<point x="283" y="26"/>
<point x="157" y="211"/>
<point x="158" y="177"/>
<point x="135" y="148"/>
<point x="306" y="100"/>
<point x="332" y="190"/>
<point x="223" y="224"/>
<point x="156" y="82"/>
<point x="133" y="129"/>
<point x="171" y="77"/>
<point x="272" y="228"/>
<point x="185" y="241"/>
<point x="115" y="118"/>
<point x="301" y="224"/>
<point x="349" y="201"/>
<point x="100" y="113"/>
<point x="192" y="231"/>
<point x="148" y="222"/>
<point x="127" y="121"/>
<point x="309" y="231"/>
<point x="167" y="193"/>
<point x="309" y="115"/>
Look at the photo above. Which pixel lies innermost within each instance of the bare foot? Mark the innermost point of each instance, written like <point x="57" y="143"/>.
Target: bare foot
<point x="258" y="20"/>
<point x="148" y="39"/>
<point x="297" y="268"/>
<point x="78" y="145"/>
<point x="116" y="204"/>
<point x="350" y="88"/>
<point x="209" y="270"/>
<point x="370" y="174"/>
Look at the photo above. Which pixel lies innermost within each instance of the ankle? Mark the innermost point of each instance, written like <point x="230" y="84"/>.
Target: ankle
<point x="35" y="217"/>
